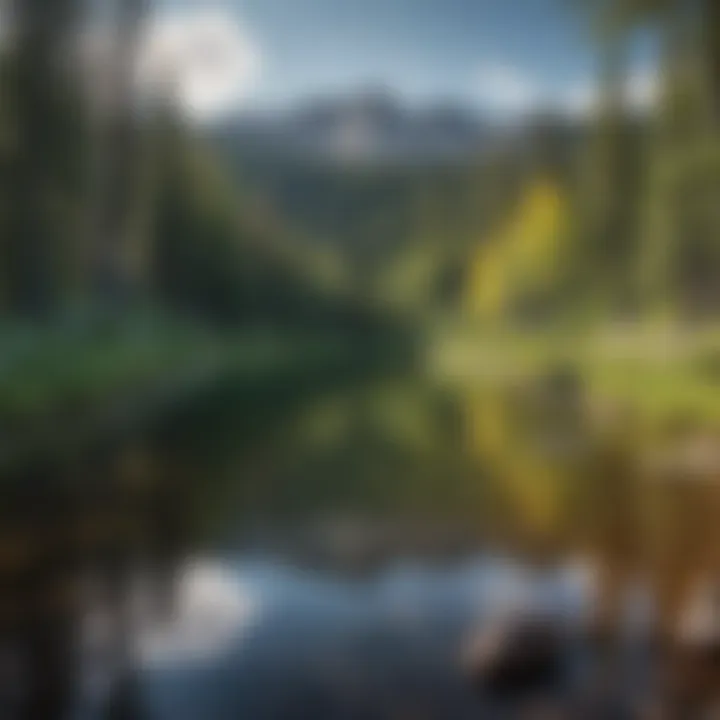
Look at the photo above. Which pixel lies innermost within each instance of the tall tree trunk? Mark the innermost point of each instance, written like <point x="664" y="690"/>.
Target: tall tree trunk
<point x="606" y="164"/>
<point x="118" y="161"/>
<point x="40" y="162"/>
<point x="712" y="24"/>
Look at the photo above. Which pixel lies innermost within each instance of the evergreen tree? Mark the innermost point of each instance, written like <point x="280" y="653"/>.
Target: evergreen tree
<point x="43" y="155"/>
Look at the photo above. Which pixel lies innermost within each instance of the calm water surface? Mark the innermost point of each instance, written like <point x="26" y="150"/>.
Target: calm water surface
<point x="335" y="555"/>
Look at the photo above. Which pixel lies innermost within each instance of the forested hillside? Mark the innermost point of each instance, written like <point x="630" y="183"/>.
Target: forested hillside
<point x="353" y="220"/>
<point x="609" y="215"/>
<point x="405" y="231"/>
<point x="130" y="259"/>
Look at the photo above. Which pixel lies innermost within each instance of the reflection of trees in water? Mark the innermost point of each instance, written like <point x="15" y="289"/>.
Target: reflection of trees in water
<point x="639" y="530"/>
<point x="663" y="530"/>
<point x="590" y="496"/>
<point x="532" y="447"/>
<point x="521" y="464"/>
<point x="76" y="537"/>
<point x="498" y="463"/>
<point x="390" y="450"/>
<point x="44" y="615"/>
<point x="73" y="540"/>
<point x="683" y="537"/>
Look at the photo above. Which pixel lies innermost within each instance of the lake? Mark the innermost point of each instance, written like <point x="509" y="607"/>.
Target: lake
<point x="339" y="549"/>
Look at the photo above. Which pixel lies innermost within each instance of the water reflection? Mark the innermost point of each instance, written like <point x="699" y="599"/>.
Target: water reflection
<point x="384" y="550"/>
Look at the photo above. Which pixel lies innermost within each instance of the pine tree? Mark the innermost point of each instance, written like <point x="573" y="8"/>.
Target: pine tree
<point x="42" y="154"/>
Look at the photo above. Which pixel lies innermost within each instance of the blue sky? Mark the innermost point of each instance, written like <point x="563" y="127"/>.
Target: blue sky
<point x="501" y="53"/>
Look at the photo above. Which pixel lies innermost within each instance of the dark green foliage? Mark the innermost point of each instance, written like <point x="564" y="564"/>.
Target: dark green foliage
<point x="106" y="206"/>
<point x="43" y="158"/>
<point x="218" y="256"/>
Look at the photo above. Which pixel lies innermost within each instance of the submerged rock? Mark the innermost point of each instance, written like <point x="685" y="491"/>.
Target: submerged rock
<point x="516" y="657"/>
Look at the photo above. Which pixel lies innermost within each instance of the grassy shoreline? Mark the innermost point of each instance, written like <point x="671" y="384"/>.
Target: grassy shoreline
<point x="60" y="388"/>
<point x="658" y="372"/>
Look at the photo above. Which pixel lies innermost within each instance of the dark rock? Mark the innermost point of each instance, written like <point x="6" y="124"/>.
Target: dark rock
<point x="518" y="658"/>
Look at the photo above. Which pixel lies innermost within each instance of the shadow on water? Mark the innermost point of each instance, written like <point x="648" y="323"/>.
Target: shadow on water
<point x="384" y="549"/>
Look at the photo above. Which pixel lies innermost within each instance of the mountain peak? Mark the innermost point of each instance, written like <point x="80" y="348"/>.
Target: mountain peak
<point x="370" y="125"/>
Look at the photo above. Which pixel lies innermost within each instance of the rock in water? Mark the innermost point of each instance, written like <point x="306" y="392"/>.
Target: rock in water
<point x="516" y="658"/>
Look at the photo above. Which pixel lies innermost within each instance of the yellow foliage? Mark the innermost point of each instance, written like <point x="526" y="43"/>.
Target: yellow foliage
<point x="523" y="255"/>
<point x="486" y="288"/>
<point x="532" y="484"/>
